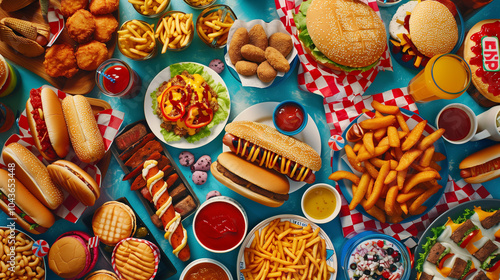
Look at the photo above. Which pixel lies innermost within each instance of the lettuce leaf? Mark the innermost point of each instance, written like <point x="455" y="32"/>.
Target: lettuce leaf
<point x="305" y="38"/>
<point x="222" y="99"/>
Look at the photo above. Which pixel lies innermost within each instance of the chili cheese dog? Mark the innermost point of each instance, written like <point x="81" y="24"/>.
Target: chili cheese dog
<point x="171" y="220"/>
<point x="264" y="145"/>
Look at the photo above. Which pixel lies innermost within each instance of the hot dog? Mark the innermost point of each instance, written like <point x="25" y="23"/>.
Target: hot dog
<point x="171" y="220"/>
<point x="268" y="159"/>
<point x="481" y="166"/>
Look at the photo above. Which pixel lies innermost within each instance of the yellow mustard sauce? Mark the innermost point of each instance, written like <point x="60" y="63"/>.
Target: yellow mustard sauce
<point x="320" y="203"/>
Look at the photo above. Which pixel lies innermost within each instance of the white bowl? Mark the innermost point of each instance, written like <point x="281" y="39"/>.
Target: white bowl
<point x="337" y="203"/>
<point x="223" y="199"/>
<point x="205" y="260"/>
<point x="381" y="3"/>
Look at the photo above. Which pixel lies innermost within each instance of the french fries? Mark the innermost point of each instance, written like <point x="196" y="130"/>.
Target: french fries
<point x="175" y="31"/>
<point x="284" y="250"/>
<point x="136" y="39"/>
<point x="213" y="29"/>
<point x="198" y="3"/>
<point x="397" y="164"/>
<point x="149" y="7"/>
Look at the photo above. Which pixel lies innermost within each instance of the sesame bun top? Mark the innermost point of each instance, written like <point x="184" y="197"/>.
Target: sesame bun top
<point x="433" y="28"/>
<point x="348" y="32"/>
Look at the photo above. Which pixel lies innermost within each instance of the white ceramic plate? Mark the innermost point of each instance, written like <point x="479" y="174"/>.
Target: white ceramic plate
<point x="331" y="256"/>
<point x="154" y="121"/>
<point x="263" y="113"/>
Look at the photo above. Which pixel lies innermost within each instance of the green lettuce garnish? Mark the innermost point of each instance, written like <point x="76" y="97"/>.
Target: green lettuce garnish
<point x="305" y="38"/>
<point x="467" y="268"/>
<point x="222" y="99"/>
<point x="431" y="240"/>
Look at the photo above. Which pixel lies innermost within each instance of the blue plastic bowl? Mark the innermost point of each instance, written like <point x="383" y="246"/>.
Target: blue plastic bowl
<point x="302" y="126"/>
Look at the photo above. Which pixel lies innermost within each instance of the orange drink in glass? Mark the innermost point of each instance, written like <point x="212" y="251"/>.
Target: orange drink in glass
<point x="445" y="76"/>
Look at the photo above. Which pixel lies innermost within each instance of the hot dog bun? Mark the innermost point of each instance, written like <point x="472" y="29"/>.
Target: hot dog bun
<point x="52" y="115"/>
<point x="481" y="160"/>
<point x="261" y="185"/>
<point x="270" y="139"/>
<point x="83" y="131"/>
<point x="26" y="203"/>
<point x="481" y="86"/>
<point x="33" y="174"/>
<point x="75" y="180"/>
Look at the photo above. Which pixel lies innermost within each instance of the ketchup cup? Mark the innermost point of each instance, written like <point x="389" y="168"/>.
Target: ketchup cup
<point x="115" y="78"/>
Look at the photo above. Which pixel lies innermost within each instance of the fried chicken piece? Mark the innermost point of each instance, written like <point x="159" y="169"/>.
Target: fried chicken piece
<point x="69" y="7"/>
<point x="102" y="7"/>
<point x="91" y="55"/>
<point x="60" y="61"/>
<point x="81" y="26"/>
<point x="105" y="26"/>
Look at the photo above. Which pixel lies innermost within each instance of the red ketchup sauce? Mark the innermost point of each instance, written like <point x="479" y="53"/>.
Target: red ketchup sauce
<point x="456" y="123"/>
<point x="289" y="117"/>
<point x="220" y="226"/>
<point x="490" y="78"/>
<point x="206" y="271"/>
<point x="121" y="76"/>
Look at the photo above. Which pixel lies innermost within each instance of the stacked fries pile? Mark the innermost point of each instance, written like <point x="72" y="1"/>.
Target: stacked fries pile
<point x="398" y="166"/>
<point x="212" y="27"/>
<point x="175" y="30"/>
<point x="284" y="250"/>
<point x="136" y="39"/>
<point x="149" y="7"/>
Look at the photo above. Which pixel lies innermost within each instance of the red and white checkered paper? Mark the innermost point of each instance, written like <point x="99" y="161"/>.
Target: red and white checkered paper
<point x="108" y="121"/>
<point x="335" y="85"/>
<point x="56" y="24"/>
<point x="339" y="116"/>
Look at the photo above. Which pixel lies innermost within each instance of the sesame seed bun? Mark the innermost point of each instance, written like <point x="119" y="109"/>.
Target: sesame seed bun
<point x="339" y="38"/>
<point x="433" y="28"/>
<point x="481" y="86"/>
<point x="270" y="139"/>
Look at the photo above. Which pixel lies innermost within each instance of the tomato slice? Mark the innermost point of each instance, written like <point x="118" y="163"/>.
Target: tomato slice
<point x="494" y="267"/>
<point x="469" y="273"/>
<point x="199" y="116"/>
<point x="468" y="238"/>
<point x="441" y="262"/>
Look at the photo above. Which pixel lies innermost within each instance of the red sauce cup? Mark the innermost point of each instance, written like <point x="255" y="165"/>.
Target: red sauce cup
<point x="290" y="117"/>
<point x="116" y="78"/>
<point x="459" y="121"/>
<point x="206" y="268"/>
<point x="220" y="224"/>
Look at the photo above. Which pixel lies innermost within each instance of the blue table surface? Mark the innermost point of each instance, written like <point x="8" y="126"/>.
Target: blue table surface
<point x="241" y="98"/>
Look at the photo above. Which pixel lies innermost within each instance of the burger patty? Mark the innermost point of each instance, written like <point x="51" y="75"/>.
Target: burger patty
<point x="242" y="182"/>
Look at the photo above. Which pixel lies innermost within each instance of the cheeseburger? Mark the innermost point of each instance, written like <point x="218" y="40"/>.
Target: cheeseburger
<point x="330" y="36"/>
<point x="261" y="185"/>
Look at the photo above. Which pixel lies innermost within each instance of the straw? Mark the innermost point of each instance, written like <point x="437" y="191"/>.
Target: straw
<point x="106" y="76"/>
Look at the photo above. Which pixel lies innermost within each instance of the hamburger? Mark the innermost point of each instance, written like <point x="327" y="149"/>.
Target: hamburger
<point x="480" y="54"/>
<point x="102" y="275"/>
<point x="47" y="124"/>
<point x="334" y="40"/>
<point x="70" y="256"/>
<point x="261" y="185"/>
<point x="113" y="221"/>
<point x="75" y="180"/>
<point x="421" y="30"/>
<point x="17" y="202"/>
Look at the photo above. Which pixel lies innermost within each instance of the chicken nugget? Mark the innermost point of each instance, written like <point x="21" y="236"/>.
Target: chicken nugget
<point x="89" y="56"/>
<point x="105" y="26"/>
<point x="246" y="68"/>
<point x="277" y="60"/>
<point x="266" y="72"/>
<point x="69" y="7"/>
<point x="81" y="26"/>
<point x="239" y="39"/>
<point x="258" y="37"/>
<point x="60" y="61"/>
<point x="253" y="53"/>
<point x="102" y="7"/>
<point x="282" y="42"/>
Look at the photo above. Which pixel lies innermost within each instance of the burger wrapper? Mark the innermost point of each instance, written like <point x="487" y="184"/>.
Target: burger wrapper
<point x="156" y="253"/>
<point x="341" y="114"/>
<point x="333" y="85"/>
<point x="108" y="121"/>
<point x="270" y="28"/>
